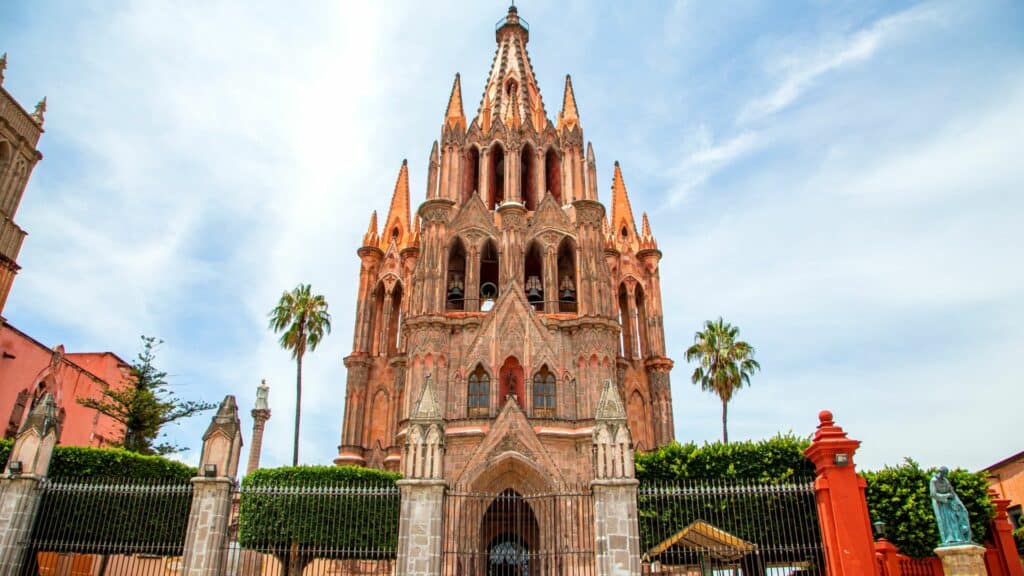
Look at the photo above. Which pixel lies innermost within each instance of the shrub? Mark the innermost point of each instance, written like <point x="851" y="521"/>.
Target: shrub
<point x="77" y="462"/>
<point x="774" y="460"/>
<point x="289" y="512"/>
<point x="899" y="497"/>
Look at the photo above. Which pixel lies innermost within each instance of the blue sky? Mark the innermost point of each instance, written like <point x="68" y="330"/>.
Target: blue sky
<point x="840" y="179"/>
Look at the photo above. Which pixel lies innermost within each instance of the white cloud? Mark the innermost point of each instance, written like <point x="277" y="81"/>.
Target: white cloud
<point x="799" y="72"/>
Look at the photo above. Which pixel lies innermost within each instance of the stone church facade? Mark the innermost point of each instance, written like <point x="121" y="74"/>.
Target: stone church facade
<point x="512" y="294"/>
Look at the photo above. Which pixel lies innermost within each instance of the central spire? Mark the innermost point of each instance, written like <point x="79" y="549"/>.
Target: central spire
<point x="511" y="86"/>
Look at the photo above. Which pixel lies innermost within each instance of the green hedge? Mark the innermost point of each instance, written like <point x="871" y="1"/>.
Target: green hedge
<point x="776" y="459"/>
<point x="899" y="497"/>
<point x="293" y="513"/>
<point x="73" y="462"/>
<point x="103" y="501"/>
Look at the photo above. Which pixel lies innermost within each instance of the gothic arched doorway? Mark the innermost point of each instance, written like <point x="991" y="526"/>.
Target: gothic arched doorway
<point x="510" y="530"/>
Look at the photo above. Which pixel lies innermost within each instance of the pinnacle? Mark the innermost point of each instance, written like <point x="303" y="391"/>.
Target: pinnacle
<point x="622" y="212"/>
<point x="569" y="116"/>
<point x="370" y="238"/>
<point x="454" y="117"/>
<point x="396" y="227"/>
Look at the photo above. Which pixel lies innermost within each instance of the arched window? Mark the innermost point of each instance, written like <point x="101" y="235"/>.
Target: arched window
<point x="455" y="291"/>
<point x="497" y="179"/>
<point x="471" y="175"/>
<point x="567" y="275"/>
<point x="377" y="320"/>
<point x="553" y="174"/>
<point x="544" y="392"/>
<point x="395" y="320"/>
<point x="479" y="391"/>
<point x="488" y="274"/>
<point x="527" y="182"/>
<point x="533" y="276"/>
<point x="626" y="323"/>
<point x="641" y="322"/>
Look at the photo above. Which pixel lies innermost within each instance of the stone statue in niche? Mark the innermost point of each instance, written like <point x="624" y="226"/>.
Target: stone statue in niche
<point x="950" y="512"/>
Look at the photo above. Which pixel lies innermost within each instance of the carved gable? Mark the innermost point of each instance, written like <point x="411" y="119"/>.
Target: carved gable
<point x="515" y="329"/>
<point x="550" y="215"/>
<point x="474" y="214"/>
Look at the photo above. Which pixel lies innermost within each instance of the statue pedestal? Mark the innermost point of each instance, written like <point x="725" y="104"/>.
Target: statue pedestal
<point x="962" y="560"/>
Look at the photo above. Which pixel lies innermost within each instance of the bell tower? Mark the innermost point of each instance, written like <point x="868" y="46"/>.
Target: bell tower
<point x="513" y="292"/>
<point x="19" y="136"/>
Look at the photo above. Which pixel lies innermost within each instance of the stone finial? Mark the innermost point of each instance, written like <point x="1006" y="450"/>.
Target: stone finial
<point x="424" y="445"/>
<point x="3" y="66"/>
<point x="262" y="394"/>
<point x="40" y="112"/>
<point x="222" y="441"/>
<point x="610" y="407"/>
<point x="35" y="441"/>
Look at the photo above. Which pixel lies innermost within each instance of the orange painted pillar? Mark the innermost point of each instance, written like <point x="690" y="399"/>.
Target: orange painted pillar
<point x="842" y="507"/>
<point x="889" y="557"/>
<point x="1001" y="534"/>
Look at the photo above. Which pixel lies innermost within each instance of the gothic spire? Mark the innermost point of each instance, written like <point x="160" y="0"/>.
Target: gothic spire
<point x="622" y="212"/>
<point x="511" y="85"/>
<point x="371" y="238"/>
<point x="647" y="240"/>
<point x="454" y="117"/>
<point x="396" y="227"/>
<point x="569" y="117"/>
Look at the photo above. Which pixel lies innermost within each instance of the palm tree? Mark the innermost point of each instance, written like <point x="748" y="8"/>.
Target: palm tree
<point x="302" y="317"/>
<point x="724" y="363"/>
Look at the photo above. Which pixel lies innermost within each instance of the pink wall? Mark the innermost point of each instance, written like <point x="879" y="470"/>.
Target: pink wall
<point x="26" y="363"/>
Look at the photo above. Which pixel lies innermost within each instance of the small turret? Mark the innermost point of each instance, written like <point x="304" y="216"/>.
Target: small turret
<point x="569" y="117"/>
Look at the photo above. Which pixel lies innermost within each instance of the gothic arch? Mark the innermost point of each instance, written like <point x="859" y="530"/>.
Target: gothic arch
<point x="510" y="471"/>
<point x="455" y="283"/>
<point x="527" y="172"/>
<point x="496" y="175"/>
<point x="471" y="175"/>
<point x="553" y="173"/>
<point x="544" y="392"/>
<point x="567" y="274"/>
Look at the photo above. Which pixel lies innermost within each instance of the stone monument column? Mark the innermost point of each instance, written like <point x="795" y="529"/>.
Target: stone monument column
<point x="260" y="415"/>
<point x="420" y="527"/>
<point x="206" y="539"/>
<point x="19" y="487"/>
<point x="616" y="531"/>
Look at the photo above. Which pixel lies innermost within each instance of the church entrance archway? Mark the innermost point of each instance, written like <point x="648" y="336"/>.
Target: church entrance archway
<point x="510" y="528"/>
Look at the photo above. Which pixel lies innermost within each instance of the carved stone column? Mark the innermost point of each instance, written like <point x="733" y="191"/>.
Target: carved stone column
<point x="206" y="538"/>
<point x="616" y="528"/>
<point x="260" y="415"/>
<point x="420" y="529"/>
<point x="19" y="487"/>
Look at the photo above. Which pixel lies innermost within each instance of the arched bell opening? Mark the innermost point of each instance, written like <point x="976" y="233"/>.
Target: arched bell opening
<point x="496" y="182"/>
<point x="567" y="275"/>
<point x="471" y="176"/>
<point x="455" y="291"/>
<point x="527" y="181"/>
<point x="533" y="276"/>
<point x="489" y="271"/>
<point x="377" y="322"/>
<point x="553" y="174"/>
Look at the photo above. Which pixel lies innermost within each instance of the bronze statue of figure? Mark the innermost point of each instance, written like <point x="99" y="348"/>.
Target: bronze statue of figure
<point x="950" y="513"/>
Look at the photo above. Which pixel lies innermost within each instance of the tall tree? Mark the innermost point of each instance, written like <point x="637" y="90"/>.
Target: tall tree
<point x="303" y="319"/>
<point x="146" y="405"/>
<point x="724" y="363"/>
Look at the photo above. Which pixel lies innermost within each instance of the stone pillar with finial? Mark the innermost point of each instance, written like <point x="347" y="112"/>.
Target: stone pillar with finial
<point x="260" y="415"/>
<point x="616" y="528"/>
<point x="420" y="530"/>
<point x="207" y="533"/>
<point x="19" y="487"/>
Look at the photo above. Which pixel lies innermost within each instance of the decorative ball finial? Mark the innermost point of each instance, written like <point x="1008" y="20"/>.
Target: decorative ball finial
<point x="825" y="418"/>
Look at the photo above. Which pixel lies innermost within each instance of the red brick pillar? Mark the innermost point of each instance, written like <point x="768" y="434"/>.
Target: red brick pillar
<point x="842" y="507"/>
<point x="1001" y="534"/>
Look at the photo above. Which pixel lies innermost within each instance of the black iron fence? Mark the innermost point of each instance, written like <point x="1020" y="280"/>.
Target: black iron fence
<point x="740" y="528"/>
<point x="313" y="529"/>
<point x="518" y="534"/>
<point x="109" y="527"/>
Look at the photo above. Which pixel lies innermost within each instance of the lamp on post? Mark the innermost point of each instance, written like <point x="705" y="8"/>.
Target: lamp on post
<point x="210" y="470"/>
